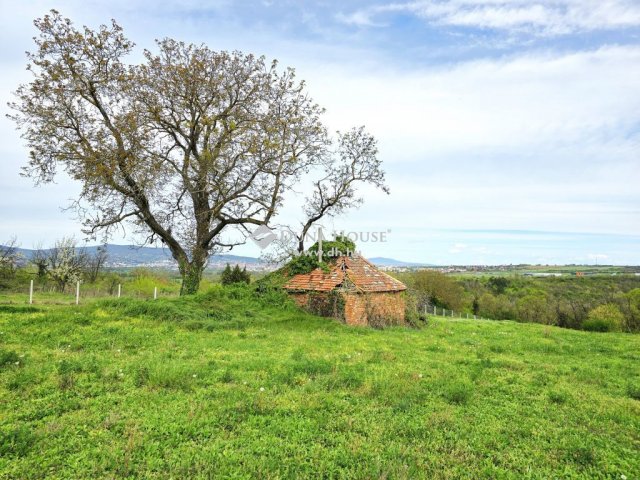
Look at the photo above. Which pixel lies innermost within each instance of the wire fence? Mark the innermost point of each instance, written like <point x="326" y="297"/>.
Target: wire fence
<point x="118" y="292"/>
<point x="76" y="294"/>
<point x="443" y="312"/>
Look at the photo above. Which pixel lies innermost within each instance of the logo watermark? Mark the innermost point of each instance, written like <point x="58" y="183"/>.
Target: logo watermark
<point x="264" y="236"/>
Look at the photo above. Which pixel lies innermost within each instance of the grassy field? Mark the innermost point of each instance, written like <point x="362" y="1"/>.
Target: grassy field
<point x="227" y="385"/>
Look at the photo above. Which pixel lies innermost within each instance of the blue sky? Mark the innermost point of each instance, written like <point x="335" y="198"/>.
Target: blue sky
<point x="509" y="129"/>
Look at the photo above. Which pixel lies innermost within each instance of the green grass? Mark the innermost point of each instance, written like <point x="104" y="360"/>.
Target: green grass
<point x="224" y="385"/>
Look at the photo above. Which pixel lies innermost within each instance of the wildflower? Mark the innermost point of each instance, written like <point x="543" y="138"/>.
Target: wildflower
<point x="17" y="363"/>
<point x="623" y="476"/>
<point x="420" y="375"/>
<point x="262" y="389"/>
<point x="194" y="375"/>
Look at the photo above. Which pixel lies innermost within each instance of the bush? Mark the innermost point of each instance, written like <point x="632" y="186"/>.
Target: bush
<point x="304" y="263"/>
<point x="604" y="318"/>
<point x="233" y="275"/>
<point x="341" y="246"/>
<point x="435" y="288"/>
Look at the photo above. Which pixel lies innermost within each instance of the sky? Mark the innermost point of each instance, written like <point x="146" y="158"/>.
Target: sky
<point x="509" y="129"/>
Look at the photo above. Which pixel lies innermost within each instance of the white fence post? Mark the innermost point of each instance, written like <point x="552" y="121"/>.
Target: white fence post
<point x="31" y="292"/>
<point x="77" y="292"/>
<point x="119" y="290"/>
<point x="155" y="293"/>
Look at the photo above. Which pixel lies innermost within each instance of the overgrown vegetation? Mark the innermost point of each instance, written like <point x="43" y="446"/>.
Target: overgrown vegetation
<point x="599" y="302"/>
<point x="237" y="382"/>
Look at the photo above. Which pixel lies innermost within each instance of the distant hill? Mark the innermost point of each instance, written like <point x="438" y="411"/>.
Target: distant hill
<point x="391" y="262"/>
<point x="134" y="256"/>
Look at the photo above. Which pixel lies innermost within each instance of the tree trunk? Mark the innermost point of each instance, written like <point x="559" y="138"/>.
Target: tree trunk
<point x="191" y="275"/>
<point x="191" y="271"/>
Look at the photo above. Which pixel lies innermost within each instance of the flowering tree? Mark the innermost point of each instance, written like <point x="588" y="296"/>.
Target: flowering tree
<point x="65" y="263"/>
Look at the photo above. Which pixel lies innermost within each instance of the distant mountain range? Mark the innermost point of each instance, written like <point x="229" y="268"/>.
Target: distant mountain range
<point x="392" y="262"/>
<point x="134" y="256"/>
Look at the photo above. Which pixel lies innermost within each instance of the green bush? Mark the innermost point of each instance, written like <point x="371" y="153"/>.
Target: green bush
<point x="233" y="275"/>
<point x="604" y="318"/>
<point x="304" y="263"/>
<point x="331" y="249"/>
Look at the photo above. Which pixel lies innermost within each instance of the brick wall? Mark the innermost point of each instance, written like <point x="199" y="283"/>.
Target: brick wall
<point x="385" y="308"/>
<point x="374" y="309"/>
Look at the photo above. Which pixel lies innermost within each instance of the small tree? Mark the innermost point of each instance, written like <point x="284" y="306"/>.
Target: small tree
<point x="605" y="318"/>
<point x="65" y="263"/>
<point x="355" y="163"/>
<point x="435" y="288"/>
<point x="9" y="258"/>
<point x="233" y="275"/>
<point x="40" y="259"/>
<point x="535" y="307"/>
<point x="95" y="263"/>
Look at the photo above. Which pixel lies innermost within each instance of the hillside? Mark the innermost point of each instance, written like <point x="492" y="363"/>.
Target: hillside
<point x="227" y="384"/>
<point x="134" y="256"/>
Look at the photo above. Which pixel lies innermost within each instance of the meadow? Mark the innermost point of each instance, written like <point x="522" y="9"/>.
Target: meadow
<point x="234" y="383"/>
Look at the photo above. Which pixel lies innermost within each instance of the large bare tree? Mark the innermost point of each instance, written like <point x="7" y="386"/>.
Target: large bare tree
<point x="189" y="146"/>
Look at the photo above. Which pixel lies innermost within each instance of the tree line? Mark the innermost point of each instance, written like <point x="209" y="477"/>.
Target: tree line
<point x="602" y="303"/>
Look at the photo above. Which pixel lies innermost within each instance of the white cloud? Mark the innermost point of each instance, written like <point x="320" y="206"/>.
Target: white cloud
<point x="543" y="17"/>
<point x="457" y="248"/>
<point x="530" y="141"/>
<point x="523" y="105"/>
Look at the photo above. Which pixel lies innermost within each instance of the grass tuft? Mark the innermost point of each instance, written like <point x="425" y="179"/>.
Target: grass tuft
<point x="458" y="392"/>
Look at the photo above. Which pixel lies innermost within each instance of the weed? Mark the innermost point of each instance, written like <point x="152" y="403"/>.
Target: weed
<point x="633" y="391"/>
<point x="558" y="396"/>
<point x="458" y="392"/>
<point x="16" y="441"/>
<point x="8" y="358"/>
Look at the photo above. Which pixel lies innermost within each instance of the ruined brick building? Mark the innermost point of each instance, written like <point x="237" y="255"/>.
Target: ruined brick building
<point x="354" y="291"/>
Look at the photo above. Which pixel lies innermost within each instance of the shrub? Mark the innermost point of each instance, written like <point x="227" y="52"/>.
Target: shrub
<point x="633" y="391"/>
<point x="604" y="318"/>
<point x="558" y="396"/>
<point x="340" y="246"/>
<point x="233" y="275"/>
<point x="458" y="392"/>
<point x="16" y="441"/>
<point x="8" y="358"/>
<point x="304" y="263"/>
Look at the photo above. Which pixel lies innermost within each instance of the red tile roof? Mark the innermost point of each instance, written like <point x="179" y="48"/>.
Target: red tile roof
<point x="356" y="270"/>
